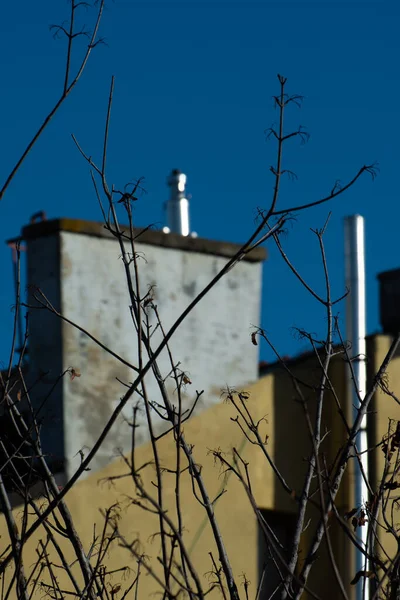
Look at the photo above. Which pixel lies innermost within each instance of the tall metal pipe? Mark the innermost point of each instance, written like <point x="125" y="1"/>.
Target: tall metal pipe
<point x="355" y="333"/>
<point x="178" y="205"/>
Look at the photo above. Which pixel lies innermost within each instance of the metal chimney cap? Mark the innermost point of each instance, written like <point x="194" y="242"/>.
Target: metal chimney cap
<point x="177" y="178"/>
<point x="177" y="181"/>
<point x="178" y="204"/>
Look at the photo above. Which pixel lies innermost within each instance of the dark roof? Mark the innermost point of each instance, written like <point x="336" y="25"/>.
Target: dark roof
<point x="265" y="367"/>
<point x="144" y="236"/>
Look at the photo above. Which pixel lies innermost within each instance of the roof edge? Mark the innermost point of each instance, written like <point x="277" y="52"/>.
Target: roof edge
<point x="142" y="235"/>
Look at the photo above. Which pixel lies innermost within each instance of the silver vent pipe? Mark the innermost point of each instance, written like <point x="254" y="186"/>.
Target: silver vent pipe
<point x="355" y="334"/>
<point x="178" y="205"/>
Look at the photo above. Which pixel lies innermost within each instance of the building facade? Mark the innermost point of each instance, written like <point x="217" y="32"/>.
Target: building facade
<point x="77" y="287"/>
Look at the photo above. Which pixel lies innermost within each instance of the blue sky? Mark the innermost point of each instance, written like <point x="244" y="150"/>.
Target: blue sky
<point x="193" y="90"/>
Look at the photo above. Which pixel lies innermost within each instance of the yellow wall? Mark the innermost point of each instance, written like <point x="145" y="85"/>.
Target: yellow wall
<point x="292" y="448"/>
<point x="385" y="409"/>
<point x="274" y="398"/>
<point x="212" y="429"/>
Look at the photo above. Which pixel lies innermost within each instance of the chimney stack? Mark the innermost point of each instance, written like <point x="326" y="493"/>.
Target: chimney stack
<point x="177" y="205"/>
<point x="389" y="301"/>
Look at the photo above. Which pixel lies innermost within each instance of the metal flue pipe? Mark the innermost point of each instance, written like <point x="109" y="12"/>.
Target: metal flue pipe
<point x="178" y="205"/>
<point x="355" y="333"/>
